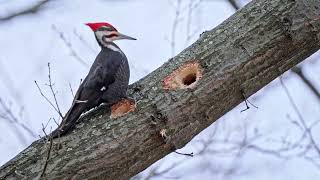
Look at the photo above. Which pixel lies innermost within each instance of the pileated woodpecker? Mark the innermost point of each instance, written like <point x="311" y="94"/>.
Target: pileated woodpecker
<point x="107" y="80"/>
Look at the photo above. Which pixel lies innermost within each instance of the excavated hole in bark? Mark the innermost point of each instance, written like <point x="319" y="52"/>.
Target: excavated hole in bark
<point x="184" y="77"/>
<point x="189" y="79"/>
<point x="122" y="108"/>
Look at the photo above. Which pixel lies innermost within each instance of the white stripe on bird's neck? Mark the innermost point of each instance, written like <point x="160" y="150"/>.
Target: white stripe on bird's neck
<point x="113" y="47"/>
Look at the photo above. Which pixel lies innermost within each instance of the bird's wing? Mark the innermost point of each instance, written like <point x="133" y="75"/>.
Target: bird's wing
<point x="102" y="74"/>
<point x="77" y="95"/>
<point x="76" y="100"/>
<point x="103" y="71"/>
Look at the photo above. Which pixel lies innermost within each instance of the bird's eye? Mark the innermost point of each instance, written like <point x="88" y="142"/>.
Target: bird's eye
<point x="107" y="28"/>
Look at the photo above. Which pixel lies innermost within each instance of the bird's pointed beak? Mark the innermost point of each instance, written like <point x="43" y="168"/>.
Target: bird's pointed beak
<point x="122" y="36"/>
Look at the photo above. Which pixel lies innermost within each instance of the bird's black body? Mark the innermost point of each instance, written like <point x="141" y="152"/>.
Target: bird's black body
<point x="106" y="82"/>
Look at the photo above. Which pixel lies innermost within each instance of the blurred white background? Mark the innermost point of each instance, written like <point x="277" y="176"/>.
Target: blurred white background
<point x="268" y="142"/>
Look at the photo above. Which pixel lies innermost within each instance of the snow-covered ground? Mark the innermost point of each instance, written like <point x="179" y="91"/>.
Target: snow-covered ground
<point x="28" y="42"/>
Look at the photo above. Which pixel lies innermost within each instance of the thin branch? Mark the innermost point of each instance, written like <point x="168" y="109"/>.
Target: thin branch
<point x="8" y="82"/>
<point x="184" y="154"/>
<point x="47" y="158"/>
<point x="49" y="139"/>
<point x="13" y="119"/>
<point x="71" y="90"/>
<point x="191" y="7"/>
<point x="56" y="106"/>
<point x="69" y="45"/>
<point x="298" y="71"/>
<point x="44" y="127"/>
<point x="53" y="92"/>
<point x="46" y="98"/>
<point x="176" y="21"/>
<point x="155" y="172"/>
<point x="28" y="10"/>
<point x="246" y="101"/>
<point x="56" y="121"/>
<point x="234" y="4"/>
<point x="84" y="41"/>
<point x="300" y="117"/>
<point x="50" y="85"/>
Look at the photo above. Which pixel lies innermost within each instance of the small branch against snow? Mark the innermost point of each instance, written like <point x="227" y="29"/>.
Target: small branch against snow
<point x="184" y="154"/>
<point x="69" y="46"/>
<point x="50" y="85"/>
<point x="192" y="6"/>
<point x="52" y="91"/>
<point x="178" y="18"/>
<point x="43" y="173"/>
<point x="46" y="98"/>
<point x="30" y="9"/>
<point x="297" y="70"/>
<point x="300" y="117"/>
<point x="50" y="140"/>
<point x="71" y="90"/>
<point x="246" y="101"/>
<point x="84" y="42"/>
<point x="176" y="21"/>
<point x="11" y="117"/>
<point x="234" y="4"/>
<point x="9" y="82"/>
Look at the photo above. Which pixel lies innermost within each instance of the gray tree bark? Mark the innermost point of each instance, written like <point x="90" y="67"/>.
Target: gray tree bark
<point x="182" y="97"/>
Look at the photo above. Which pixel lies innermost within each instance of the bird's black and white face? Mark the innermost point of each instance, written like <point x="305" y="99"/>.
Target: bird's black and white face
<point x="105" y="33"/>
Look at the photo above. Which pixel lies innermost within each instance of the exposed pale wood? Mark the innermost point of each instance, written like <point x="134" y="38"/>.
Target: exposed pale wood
<point x="247" y="51"/>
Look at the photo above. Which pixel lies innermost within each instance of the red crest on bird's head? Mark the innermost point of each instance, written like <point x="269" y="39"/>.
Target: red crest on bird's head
<point x="95" y="26"/>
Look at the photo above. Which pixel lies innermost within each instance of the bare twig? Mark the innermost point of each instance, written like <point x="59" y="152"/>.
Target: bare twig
<point x="298" y="71"/>
<point x="46" y="98"/>
<point x="184" y="154"/>
<point x="9" y="115"/>
<point x="33" y="8"/>
<point x="44" y="127"/>
<point x="71" y="90"/>
<point x="191" y="7"/>
<point x="234" y="4"/>
<point x="8" y="82"/>
<point x="56" y="106"/>
<point x="300" y="117"/>
<point x="49" y="139"/>
<point x="47" y="158"/>
<point x="176" y="21"/>
<point x="155" y="172"/>
<point x="69" y="45"/>
<point x="246" y="100"/>
<point x="53" y="92"/>
<point x="84" y="41"/>
<point x="56" y="122"/>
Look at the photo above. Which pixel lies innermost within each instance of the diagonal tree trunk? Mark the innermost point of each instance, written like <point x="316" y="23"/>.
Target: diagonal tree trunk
<point x="182" y="97"/>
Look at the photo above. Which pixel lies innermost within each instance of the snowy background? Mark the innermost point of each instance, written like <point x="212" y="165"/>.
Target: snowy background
<point x="278" y="140"/>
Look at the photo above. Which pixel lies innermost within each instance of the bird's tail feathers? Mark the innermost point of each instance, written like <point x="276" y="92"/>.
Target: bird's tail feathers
<point x="69" y="120"/>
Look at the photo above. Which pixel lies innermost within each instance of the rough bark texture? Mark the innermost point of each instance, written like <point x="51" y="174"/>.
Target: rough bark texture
<point x="247" y="51"/>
